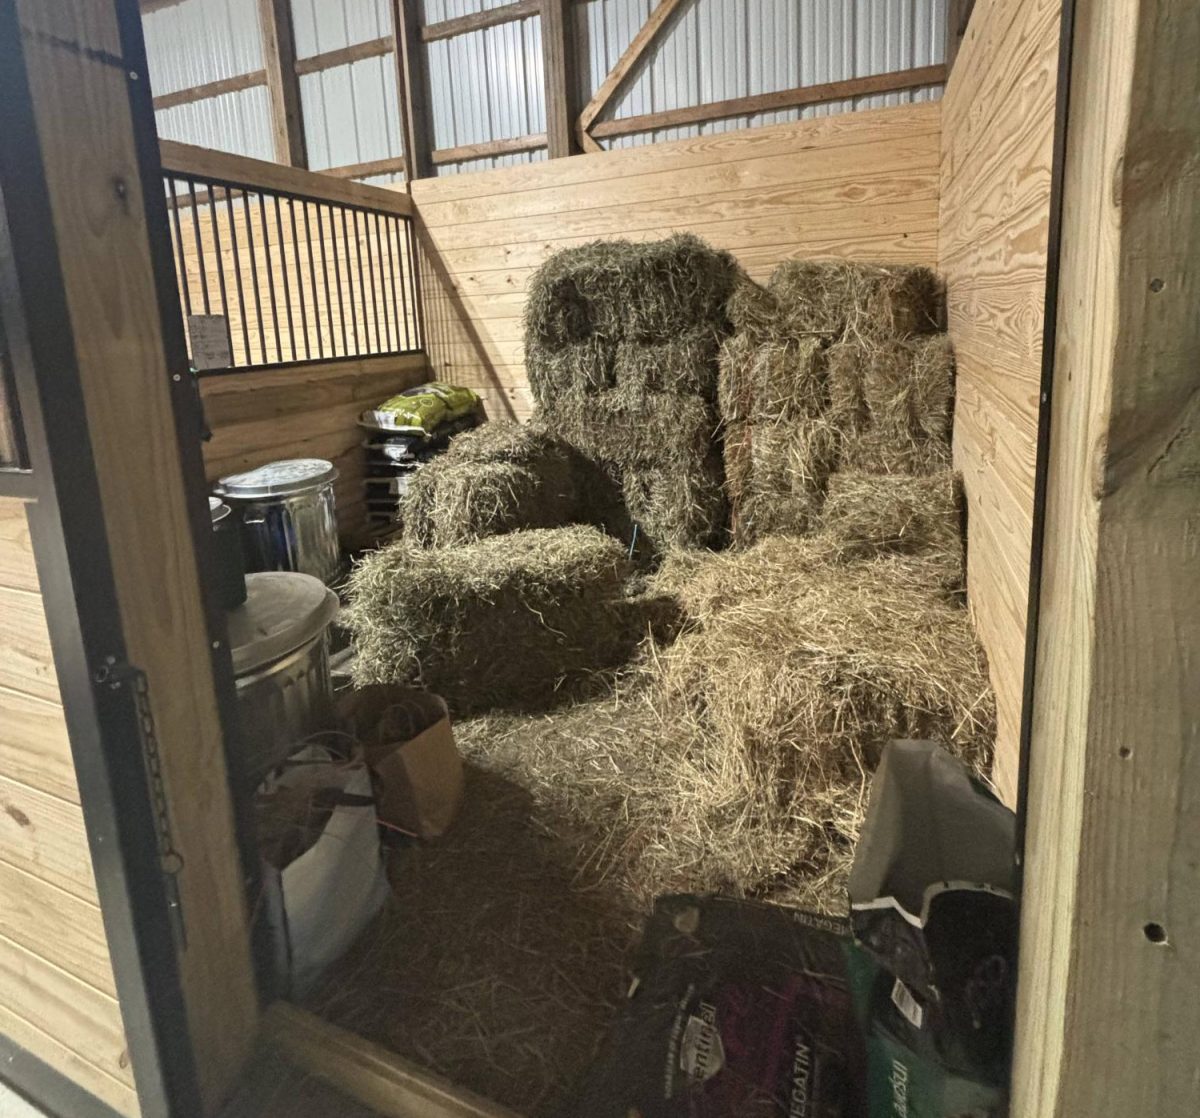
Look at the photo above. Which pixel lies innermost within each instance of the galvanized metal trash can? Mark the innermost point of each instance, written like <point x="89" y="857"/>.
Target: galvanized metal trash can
<point x="287" y="516"/>
<point x="280" y="644"/>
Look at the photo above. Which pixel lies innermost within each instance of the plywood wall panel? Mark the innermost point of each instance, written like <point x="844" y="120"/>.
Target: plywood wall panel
<point x="862" y="185"/>
<point x="57" y="993"/>
<point x="997" y="132"/>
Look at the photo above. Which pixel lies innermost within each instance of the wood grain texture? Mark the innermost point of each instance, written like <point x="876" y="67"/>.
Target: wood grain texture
<point x="56" y="983"/>
<point x="85" y="1020"/>
<point x="65" y="1060"/>
<point x="17" y="570"/>
<point x="308" y="411"/>
<point x="45" y="836"/>
<point x="283" y="82"/>
<point x="26" y="660"/>
<point x="860" y="185"/>
<point x="372" y="1076"/>
<point x="94" y="187"/>
<point x="52" y="923"/>
<point x="1110" y="956"/>
<point x="997" y="132"/>
<point x="189" y="159"/>
<point x="34" y="746"/>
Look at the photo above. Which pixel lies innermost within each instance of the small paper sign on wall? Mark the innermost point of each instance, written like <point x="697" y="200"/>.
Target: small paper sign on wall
<point x="210" y="341"/>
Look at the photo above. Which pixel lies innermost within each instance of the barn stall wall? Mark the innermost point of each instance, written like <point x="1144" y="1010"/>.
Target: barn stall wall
<point x="862" y="185"/>
<point x="997" y="135"/>
<point x="57" y="993"/>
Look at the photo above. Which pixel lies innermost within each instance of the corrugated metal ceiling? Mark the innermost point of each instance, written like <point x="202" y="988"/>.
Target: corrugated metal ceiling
<point x="487" y="85"/>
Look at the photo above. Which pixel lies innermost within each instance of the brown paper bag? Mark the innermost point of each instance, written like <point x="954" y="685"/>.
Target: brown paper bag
<point x="410" y="748"/>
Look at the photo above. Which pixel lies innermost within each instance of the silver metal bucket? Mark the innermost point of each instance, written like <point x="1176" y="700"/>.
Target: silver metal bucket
<point x="288" y="517"/>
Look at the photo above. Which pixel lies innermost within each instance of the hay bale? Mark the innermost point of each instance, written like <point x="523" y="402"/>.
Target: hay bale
<point x="871" y="514"/>
<point x="575" y="367"/>
<point x="864" y="301"/>
<point x="767" y="381"/>
<point x="892" y="402"/>
<point x="651" y="291"/>
<point x="499" y="478"/>
<point x="511" y="621"/>
<point x="676" y="508"/>
<point x="659" y="430"/>
<point x="789" y="463"/>
<point x="685" y="365"/>
<point x="753" y="310"/>
<point x="795" y="671"/>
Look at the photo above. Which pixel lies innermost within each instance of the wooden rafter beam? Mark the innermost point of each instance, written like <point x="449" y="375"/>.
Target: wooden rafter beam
<point x="477" y="21"/>
<point x="441" y="156"/>
<point x="489" y="148"/>
<point x="210" y="89"/>
<point x="343" y="56"/>
<point x="283" y="84"/>
<point x="623" y="70"/>
<point x="558" y="65"/>
<point x="769" y="102"/>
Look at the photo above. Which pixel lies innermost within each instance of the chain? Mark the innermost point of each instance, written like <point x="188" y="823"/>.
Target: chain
<point x="115" y="676"/>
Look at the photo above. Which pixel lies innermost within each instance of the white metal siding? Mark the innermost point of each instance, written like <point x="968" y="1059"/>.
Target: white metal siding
<point x="487" y="85"/>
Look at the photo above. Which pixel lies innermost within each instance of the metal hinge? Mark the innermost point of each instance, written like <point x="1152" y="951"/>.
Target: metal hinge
<point x="118" y="676"/>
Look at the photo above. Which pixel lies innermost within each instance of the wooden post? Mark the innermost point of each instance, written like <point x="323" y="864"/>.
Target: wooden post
<point x="412" y="90"/>
<point x="1108" y="1015"/>
<point x="558" y="63"/>
<point x="116" y="348"/>
<point x="958" y="15"/>
<point x="279" y="61"/>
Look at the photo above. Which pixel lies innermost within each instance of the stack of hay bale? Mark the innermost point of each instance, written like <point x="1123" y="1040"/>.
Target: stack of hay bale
<point x="830" y="629"/>
<point x="621" y="344"/>
<point x="833" y="366"/>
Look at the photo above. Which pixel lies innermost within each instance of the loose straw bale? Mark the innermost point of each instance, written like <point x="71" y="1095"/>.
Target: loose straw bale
<point x="686" y="365"/>
<point x="736" y="379"/>
<point x="871" y="514"/>
<point x="505" y="622"/>
<point x="581" y="366"/>
<point x="652" y="291"/>
<point x="840" y="297"/>
<point x="797" y="668"/>
<point x="499" y="478"/>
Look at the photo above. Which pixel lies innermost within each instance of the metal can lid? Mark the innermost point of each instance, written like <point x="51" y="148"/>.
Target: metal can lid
<point x="218" y="509"/>
<point x="279" y="479"/>
<point x="283" y="610"/>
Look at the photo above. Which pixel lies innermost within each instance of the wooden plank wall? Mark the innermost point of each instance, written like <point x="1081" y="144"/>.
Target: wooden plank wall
<point x="997" y="132"/>
<point x="861" y="185"/>
<point x="304" y="412"/>
<point x="57" y="995"/>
